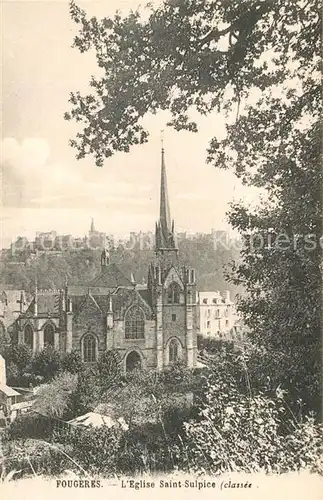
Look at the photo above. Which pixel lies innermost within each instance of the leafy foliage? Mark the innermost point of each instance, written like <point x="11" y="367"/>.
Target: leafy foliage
<point x="53" y="399"/>
<point x="249" y="433"/>
<point x="72" y="362"/>
<point x="46" y="363"/>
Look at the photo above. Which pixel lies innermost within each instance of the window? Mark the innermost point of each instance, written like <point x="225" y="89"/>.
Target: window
<point x="89" y="349"/>
<point x="135" y="323"/>
<point x="173" y="293"/>
<point x="49" y="335"/>
<point x="29" y="336"/>
<point x="204" y="301"/>
<point x="173" y="351"/>
<point x="173" y="317"/>
<point x="226" y="322"/>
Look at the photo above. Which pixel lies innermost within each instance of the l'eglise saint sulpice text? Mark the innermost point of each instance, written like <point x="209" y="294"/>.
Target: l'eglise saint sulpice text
<point x="162" y="483"/>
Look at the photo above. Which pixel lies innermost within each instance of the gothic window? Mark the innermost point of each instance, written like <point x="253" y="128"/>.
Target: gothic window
<point x="49" y="335"/>
<point x="89" y="348"/>
<point x="29" y="336"/>
<point x="173" y="294"/>
<point x="173" y="351"/>
<point x="135" y="323"/>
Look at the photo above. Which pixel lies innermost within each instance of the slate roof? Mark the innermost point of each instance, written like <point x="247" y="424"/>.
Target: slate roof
<point x="47" y="303"/>
<point x="8" y="391"/>
<point x="145" y="295"/>
<point x="111" y="277"/>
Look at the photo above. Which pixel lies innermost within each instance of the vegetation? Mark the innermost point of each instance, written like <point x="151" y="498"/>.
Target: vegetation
<point x="82" y="266"/>
<point x="229" y="425"/>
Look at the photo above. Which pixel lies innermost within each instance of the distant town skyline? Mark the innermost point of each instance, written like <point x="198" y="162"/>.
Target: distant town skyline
<point x="44" y="187"/>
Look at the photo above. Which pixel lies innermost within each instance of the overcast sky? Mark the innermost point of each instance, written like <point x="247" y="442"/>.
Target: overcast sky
<point x="44" y="187"/>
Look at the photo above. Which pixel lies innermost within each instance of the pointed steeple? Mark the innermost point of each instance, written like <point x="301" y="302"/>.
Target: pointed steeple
<point x="92" y="229"/>
<point x="165" y="238"/>
<point x="164" y="212"/>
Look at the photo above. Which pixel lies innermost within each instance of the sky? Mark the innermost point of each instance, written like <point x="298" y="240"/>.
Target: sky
<point x="44" y="187"/>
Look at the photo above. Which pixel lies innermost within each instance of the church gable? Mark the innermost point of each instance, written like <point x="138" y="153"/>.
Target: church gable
<point x="89" y="313"/>
<point x="173" y="276"/>
<point x="123" y="299"/>
<point x="111" y="277"/>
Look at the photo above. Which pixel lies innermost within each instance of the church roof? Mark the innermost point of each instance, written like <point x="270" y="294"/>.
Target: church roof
<point x="8" y="391"/>
<point x="145" y="295"/>
<point x="48" y="303"/>
<point x="111" y="277"/>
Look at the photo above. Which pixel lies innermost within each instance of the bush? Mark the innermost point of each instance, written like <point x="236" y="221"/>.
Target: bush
<point x="20" y="355"/>
<point x="29" y="456"/>
<point x="46" y="363"/>
<point x="96" y="449"/>
<point x="248" y="433"/>
<point x="72" y="362"/>
<point x="54" y="399"/>
<point x="29" y="425"/>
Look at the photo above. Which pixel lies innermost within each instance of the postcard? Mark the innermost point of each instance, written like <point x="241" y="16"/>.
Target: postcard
<point x="161" y="249"/>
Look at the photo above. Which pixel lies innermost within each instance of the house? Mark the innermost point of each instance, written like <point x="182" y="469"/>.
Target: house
<point x="12" y="402"/>
<point x="217" y="315"/>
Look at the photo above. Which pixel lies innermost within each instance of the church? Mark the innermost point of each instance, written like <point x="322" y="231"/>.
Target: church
<point x="150" y="326"/>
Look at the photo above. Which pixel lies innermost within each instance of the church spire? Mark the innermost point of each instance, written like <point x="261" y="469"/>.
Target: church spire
<point x="165" y="237"/>
<point x="164" y="212"/>
<point x="92" y="229"/>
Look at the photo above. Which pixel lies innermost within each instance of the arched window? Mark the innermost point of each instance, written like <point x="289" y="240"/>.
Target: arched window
<point x="173" y="351"/>
<point x="173" y="294"/>
<point x="89" y="348"/>
<point x="135" y="323"/>
<point x="29" y="336"/>
<point x="49" y="335"/>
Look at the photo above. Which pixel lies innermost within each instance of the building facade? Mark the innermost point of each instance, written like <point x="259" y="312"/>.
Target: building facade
<point x="217" y="315"/>
<point x="149" y="326"/>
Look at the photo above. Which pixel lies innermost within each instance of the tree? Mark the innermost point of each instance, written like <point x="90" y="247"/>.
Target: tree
<point x="257" y="62"/>
<point x="20" y="355"/>
<point x="72" y="362"/>
<point x="109" y="368"/>
<point x="46" y="363"/>
<point x="53" y="399"/>
<point x="5" y="340"/>
<point x="87" y="393"/>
